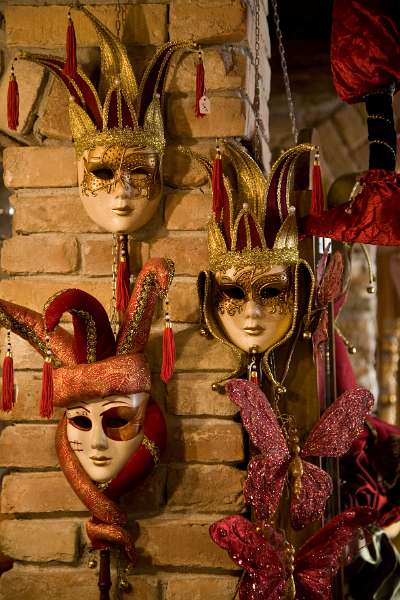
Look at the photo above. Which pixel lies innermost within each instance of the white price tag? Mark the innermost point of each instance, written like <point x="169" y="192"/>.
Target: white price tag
<point x="204" y="105"/>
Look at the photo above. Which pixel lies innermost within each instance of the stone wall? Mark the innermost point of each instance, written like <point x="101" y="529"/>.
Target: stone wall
<point x="54" y="245"/>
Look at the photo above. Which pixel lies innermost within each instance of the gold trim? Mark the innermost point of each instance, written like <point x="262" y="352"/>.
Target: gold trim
<point x="152" y="448"/>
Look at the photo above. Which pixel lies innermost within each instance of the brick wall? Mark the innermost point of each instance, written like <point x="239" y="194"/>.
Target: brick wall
<point x="54" y="245"/>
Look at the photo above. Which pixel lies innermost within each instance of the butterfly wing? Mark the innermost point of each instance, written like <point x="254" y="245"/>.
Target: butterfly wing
<point x="264" y="569"/>
<point x="263" y="487"/>
<point x="318" y="560"/>
<point x="316" y="487"/>
<point x="258" y="418"/>
<point x="340" y="424"/>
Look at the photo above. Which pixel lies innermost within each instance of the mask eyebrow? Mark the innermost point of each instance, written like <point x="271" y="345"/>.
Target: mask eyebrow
<point x="76" y="407"/>
<point x="114" y="402"/>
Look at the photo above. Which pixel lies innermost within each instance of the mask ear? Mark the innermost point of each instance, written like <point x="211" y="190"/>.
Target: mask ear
<point x="153" y="123"/>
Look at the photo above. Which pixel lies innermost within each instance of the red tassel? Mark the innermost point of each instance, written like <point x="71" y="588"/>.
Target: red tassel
<point x="317" y="197"/>
<point x="47" y="399"/>
<point x="200" y="86"/>
<point x="13" y="102"/>
<point x="122" y="290"/>
<point x="70" y="50"/>
<point x="168" y="360"/>
<point x="218" y="187"/>
<point x="7" y="391"/>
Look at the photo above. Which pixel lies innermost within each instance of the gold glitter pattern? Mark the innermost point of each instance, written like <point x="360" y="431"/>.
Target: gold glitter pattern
<point x="91" y="336"/>
<point x="152" y="448"/>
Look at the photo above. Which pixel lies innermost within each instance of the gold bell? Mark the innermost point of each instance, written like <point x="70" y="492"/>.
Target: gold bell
<point x="92" y="563"/>
<point x="280" y="389"/>
<point x="371" y="289"/>
<point x="124" y="585"/>
<point x="307" y="335"/>
<point x="352" y="350"/>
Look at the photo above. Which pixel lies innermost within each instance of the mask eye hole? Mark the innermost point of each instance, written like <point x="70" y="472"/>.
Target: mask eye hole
<point x="103" y="173"/>
<point x="234" y="292"/>
<point x="142" y="171"/>
<point x="269" y="292"/>
<point x="114" y="422"/>
<point x="81" y="422"/>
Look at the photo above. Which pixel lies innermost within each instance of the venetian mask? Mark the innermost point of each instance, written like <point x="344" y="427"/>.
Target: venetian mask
<point x="105" y="432"/>
<point x="249" y="297"/>
<point x="120" y="188"/>
<point x="254" y="306"/>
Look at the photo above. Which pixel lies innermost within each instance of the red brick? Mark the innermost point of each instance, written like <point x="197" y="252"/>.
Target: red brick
<point x="190" y="394"/>
<point x="187" y="210"/>
<point x="40" y="540"/>
<point x="40" y="167"/>
<point x="60" y="211"/>
<point x="205" y="440"/>
<point x="208" y="20"/>
<point x="189" y="253"/>
<point x="199" y="587"/>
<point x="227" y="118"/>
<point x="40" y="254"/>
<point x="183" y="300"/>
<point x="17" y="442"/>
<point x="181" y="542"/>
<point x="205" y="488"/>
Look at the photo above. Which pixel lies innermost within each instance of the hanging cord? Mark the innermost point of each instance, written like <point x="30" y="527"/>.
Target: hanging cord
<point x="292" y="114"/>
<point x="259" y="129"/>
<point x="120" y="18"/>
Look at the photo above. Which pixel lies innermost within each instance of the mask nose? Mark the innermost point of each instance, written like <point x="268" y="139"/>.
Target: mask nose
<point x="123" y="192"/>
<point x="252" y="310"/>
<point x="99" y="439"/>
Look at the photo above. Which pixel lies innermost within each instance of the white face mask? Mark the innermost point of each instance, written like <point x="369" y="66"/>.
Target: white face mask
<point x="254" y="306"/>
<point x="120" y="188"/>
<point x="105" y="432"/>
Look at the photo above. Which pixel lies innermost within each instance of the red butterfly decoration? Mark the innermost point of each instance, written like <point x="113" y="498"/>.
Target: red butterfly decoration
<point x="333" y="435"/>
<point x="269" y="573"/>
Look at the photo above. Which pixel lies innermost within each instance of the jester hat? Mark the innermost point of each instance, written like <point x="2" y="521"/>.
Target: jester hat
<point x="90" y="362"/>
<point x="119" y="112"/>
<point x="253" y="223"/>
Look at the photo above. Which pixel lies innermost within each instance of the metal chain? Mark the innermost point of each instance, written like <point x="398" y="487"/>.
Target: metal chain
<point x="114" y="320"/>
<point x="256" y="105"/>
<point x="292" y="114"/>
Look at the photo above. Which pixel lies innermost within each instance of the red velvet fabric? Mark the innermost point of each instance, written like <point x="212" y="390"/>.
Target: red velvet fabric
<point x="374" y="216"/>
<point x="365" y="48"/>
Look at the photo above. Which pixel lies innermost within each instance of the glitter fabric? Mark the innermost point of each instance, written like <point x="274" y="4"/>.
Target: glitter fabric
<point x="128" y="374"/>
<point x="266" y="564"/>
<point x="267" y="472"/>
